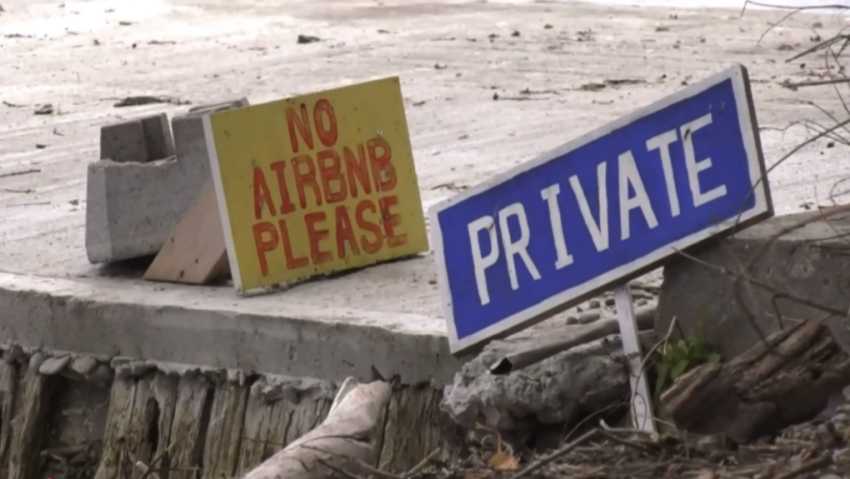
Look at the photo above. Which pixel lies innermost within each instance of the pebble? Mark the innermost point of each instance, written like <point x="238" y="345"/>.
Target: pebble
<point x="588" y="317"/>
<point x="36" y="361"/>
<point x="83" y="365"/>
<point x="595" y="304"/>
<point x="54" y="365"/>
<point x="572" y="320"/>
<point x="610" y="301"/>
<point x="14" y="354"/>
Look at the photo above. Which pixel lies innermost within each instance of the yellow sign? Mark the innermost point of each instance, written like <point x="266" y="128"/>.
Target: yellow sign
<point x="316" y="184"/>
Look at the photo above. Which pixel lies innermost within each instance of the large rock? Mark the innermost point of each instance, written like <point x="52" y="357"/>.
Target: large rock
<point x="556" y="390"/>
<point x="811" y="262"/>
<point x="135" y="197"/>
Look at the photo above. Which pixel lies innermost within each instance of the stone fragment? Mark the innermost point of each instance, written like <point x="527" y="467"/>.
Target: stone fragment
<point x="132" y="207"/>
<point x="54" y="365"/>
<point x="583" y="379"/>
<point x="594" y="304"/>
<point x="572" y="320"/>
<point x="36" y="360"/>
<point x="83" y="365"/>
<point x="14" y="354"/>
<point x="589" y="317"/>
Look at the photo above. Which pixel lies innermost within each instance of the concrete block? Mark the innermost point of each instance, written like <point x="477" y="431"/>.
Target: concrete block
<point x="158" y="136"/>
<point x="811" y="262"/>
<point x="133" y="207"/>
<point x="124" y="142"/>
<point x="140" y="140"/>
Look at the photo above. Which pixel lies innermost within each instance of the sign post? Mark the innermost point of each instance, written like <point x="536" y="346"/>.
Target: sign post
<point x="599" y="211"/>
<point x="315" y="184"/>
<point x="642" y="413"/>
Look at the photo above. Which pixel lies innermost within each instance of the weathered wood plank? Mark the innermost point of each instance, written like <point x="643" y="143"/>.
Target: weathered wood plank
<point x="224" y="436"/>
<point x="30" y="422"/>
<point x="786" y="380"/>
<point x="306" y="415"/>
<point x="189" y="426"/>
<point x="255" y="434"/>
<point x="416" y="408"/>
<point x="8" y="395"/>
<point x="165" y="394"/>
<point x="281" y="414"/>
<point x="121" y="400"/>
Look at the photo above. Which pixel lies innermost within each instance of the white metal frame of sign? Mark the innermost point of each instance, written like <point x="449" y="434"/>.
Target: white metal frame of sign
<point x="620" y="275"/>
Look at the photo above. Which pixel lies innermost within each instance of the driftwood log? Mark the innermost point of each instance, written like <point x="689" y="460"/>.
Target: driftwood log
<point x="781" y="382"/>
<point x="348" y="436"/>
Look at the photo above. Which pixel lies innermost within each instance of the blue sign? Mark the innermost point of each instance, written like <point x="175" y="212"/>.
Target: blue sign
<point x="599" y="210"/>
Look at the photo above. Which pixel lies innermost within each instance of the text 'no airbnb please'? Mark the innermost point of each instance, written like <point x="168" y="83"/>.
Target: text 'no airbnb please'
<point x="316" y="184"/>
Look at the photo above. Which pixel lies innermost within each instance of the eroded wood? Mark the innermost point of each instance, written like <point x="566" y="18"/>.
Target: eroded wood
<point x="8" y="395"/>
<point x="189" y="426"/>
<point x="31" y="419"/>
<point x="416" y="408"/>
<point x="121" y="400"/>
<point x="255" y="436"/>
<point x="771" y="386"/>
<point x="224" y="435"/>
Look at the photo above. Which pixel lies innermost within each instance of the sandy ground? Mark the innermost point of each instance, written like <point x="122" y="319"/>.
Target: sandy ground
<point x="454" y="59"/>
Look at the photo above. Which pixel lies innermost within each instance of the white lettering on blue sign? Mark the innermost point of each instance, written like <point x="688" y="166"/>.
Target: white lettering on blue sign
<point x="600" y="210"/>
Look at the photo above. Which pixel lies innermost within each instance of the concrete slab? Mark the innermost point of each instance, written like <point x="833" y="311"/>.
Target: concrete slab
<point x="476" y="105"/>
<point x="811" y="262"/>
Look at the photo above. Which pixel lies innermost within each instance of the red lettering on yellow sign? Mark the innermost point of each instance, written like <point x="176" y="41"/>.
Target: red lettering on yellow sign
<point x="328" y="176"/>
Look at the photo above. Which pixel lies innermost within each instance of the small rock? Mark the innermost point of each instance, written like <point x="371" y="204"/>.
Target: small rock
<point x="610" y="301"/>
<point x="572" y="320"/>
<point x="46" y="109"/>
<point x="515" y="33"/>
<point x="595" y="304"/>
<point x="495" y="96"/>
<point x="54" y="365"/>
<point x="14" y="354"/>
<point x="125" y="24"/>
<point x="304" y="39"/>
<point x="589" y="317"/>
<point x="36" y="360"/>
<point x="438" y="66"/>
<point x="101" y="374"/>
<point x="785" y="47"/>
<point x="840" y="418"/>
<point x="548" y="26"/>
<point x="84" y="365"/>
<point x="817" y="25"/>
<point x="579" y="309"/>
<point x="662" y="29"/>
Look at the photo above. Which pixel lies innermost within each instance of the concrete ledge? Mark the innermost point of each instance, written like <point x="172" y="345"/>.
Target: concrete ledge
<point x="211" y="326"/>
<point x="812" y="262"/>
